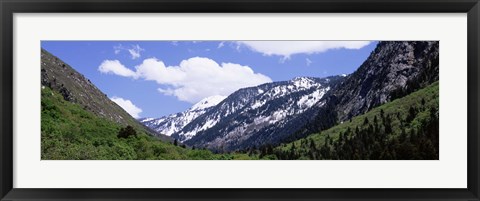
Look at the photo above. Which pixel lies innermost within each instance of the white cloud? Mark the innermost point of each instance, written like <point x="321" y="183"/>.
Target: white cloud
<point x="115" y="67"/>
<point x="308" y="61"/>
<point x="197" y="78"/>
<point x="128" y="106"/>
<point x="288" y="48"/>
<point x="117" y="49"/>
<point x="134" y="50"/>
<point x="220" y="45"/>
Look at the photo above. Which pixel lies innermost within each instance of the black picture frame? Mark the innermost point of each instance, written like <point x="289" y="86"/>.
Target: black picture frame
<point x="10" y="7"/>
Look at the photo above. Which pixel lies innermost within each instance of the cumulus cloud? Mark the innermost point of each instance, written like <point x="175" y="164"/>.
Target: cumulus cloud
<point x="197" y="78"/>
<point x="288" y="48"/>
<point x="115" y="67"/>
<point x="128" y="106"/>
<point x="133" y="50"/>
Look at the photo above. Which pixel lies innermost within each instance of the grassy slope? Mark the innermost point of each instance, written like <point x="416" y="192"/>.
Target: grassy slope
<point x="397" y="107"/>
<point x="70" y="132"/>
<point x="61" y="77"/>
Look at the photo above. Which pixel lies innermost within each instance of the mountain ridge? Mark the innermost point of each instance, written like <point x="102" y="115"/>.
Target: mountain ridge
<point x="393" y="69"/>
<point x="267" y="101"/>
<point x="172" y="123"/>
<point x="76" y="88"/>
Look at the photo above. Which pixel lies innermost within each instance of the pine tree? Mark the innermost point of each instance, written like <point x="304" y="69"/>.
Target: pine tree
<point x="313" y="146"/>
<point x="292" y="152"/>
<point x="365" y="121"/>
<point x="411" y="114"/>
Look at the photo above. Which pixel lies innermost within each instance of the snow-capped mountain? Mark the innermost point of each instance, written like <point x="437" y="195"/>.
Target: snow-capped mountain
<point x="256" y="115"/>
<point x="170" y="124"/>
<point x="281" y="111"/>
<point x="208" y="102"/>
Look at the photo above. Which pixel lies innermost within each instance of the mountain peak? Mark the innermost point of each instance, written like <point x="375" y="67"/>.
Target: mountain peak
<point x="301" y="78"/>
<point x="303" y="82"/>
<point x="170" y="124"/>
<point x="208" y="102"/>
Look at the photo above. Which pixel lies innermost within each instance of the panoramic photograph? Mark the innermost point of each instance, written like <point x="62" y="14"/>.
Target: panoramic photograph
<point x="239" y="100"/>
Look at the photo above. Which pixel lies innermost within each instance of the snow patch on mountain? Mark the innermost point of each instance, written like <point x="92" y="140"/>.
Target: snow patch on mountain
<point x="309" y="100"/>
<point x="173" y="123"/>
<point x="303" y="82"/>
<point x="208" y="102"/>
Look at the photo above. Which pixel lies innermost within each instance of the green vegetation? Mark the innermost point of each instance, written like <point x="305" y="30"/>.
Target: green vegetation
<point x="127" y="132"/>
<point x="406" y="128"/>
<point x="69" y="132"/>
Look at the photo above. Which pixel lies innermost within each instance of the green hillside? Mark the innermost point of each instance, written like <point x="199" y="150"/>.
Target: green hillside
<point x="70" y="132"/>
<point x="406" y="128"/>
<point x="76" y="88"/>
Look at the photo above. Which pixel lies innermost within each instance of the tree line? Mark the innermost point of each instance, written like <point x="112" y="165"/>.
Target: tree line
<point x="376" y="138"/>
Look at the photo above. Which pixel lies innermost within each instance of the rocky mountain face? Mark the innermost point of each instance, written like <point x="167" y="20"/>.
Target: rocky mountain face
<point x="171" y="124"/>
<point x="75" y="88"/>
<point x="393" y="70"/>
<point x="254" y="116"/>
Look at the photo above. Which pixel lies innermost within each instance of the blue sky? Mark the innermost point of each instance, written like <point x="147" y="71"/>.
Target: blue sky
<point x="157" y="78"/>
